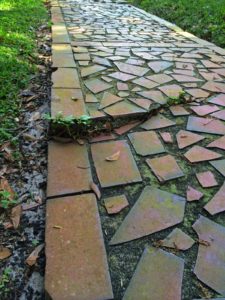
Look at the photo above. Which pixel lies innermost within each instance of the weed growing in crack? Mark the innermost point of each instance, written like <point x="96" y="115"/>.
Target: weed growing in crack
<point x="176" y="100"/>
<point x="6" y="200"/>
<point x="4" y="282"/>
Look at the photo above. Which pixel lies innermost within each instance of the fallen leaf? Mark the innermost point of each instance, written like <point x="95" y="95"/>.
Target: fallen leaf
<point x="113" y="157"/>
<point x="7" y="225"/>
<point x="15" y="215"/>
<point x="32" y="258"/>
<point x="57" y="227"/>
<point x="29" y="137"/>
<point x="95" y="189"/>
<point x="80" y="142"/>
<point x="4" y="252"/>
<point x="30" y="205"/>
<point x="204" y="243"/>
<point x="5" y="186"/>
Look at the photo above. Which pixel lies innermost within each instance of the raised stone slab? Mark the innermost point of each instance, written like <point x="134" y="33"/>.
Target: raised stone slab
<point x="76" y="263"/>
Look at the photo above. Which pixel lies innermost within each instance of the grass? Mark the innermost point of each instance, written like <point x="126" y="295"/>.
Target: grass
<point x="204" y="18"/>
<point x="19" y="20"/>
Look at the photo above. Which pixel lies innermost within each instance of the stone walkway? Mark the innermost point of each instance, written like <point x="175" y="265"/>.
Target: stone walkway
<point x="155" y="229"/>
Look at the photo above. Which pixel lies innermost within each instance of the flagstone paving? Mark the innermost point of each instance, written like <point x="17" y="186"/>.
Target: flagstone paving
<point x="155" y="228"/>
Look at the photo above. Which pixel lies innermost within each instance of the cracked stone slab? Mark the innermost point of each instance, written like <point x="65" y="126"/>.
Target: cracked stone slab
<point x="156" y="122"/>
<point x="187" y="138"/>
<point x="165" y="168"/>
<point x="162" y="208"/>
<point x="211" y="259"/>
<point x="109" y="99"/>
<point x="119" y="172"/>
<point x="146" y="143"/>
<point x="206" y="125"/>
<point x="68" y="169"/>
<point x="178" y="239"/>
<point x="216" y="204"/>
<point x="198" y="154"/>
<point x="151" y="275"/>
<point x="76" y="261"/>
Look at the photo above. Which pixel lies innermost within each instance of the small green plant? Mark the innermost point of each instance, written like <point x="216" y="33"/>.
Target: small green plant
<point x="69" y="125"/>
<point x="176" y="100"/>
<point x="6" y="200"/>
<point x="4" y="281"/>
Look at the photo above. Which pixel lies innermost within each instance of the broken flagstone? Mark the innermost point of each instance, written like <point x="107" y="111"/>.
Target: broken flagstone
<point x="206" y="125"/>
<point x="157" y="122"/>
<point x="152" y="280"/>
<point x="162" y="208"/>
<point x="211" y="259"/>
<point x="219" y="165"/>
<point x="187" y="138"/>
<point x="193" y="194"/>
<point x="177" y="239"/>
<point x="206" y="179"/>
<point x="198" y="154"/>
<point x="115" y="204"/>
<point x="217" y="203"/>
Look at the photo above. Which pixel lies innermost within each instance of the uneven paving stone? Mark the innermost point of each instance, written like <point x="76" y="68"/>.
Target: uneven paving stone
<point x="109" y="99"/>
<point x="206" y="179"/>
<point x="184" y="78"/>
<point x="68" y="101"/>
<point x="149" y="84"/>
<point x="171" y="90"/>
<point x="218" y="99"/>
<point x="131" y="69"/>
<point x="211" y="259"/>
<point x="156" y="96"/>
<point x="160" y="78"/>
<point x="76" y="262"/>
<point x="198" y="154"/>
<point x="97" y="85"/>
<point x="204" y="110"/>
<point x="158" y="66"/>
<point x="179" y="110"/>
<point x="63" y="60"/>
<point x="157" y="122"/>
<point x="66" y="78"/>
<point x="68" y="169"/>
<point x="193" y="194"/>
<point x="115" y="204"/>
<point x="125" y="128"/>
<point x="177" y="239"/>
<point x="165" y="168"/>
<point x="219" y="165"/>
<point x="162" y="208"/>
<point x="121" y="76"/>
<point x="213" y="86"/>
<point x="146" y="143"/>
<point x="219" y="115"/>
<point x="197" y="93"/>
<point x="86" y="71"/>
<point x="216" y="204"/>
<point x="142" y="102"/>
<point x="102" y="137"/>
<point x="167" y="137"/>
<point x="218" y="143"/>
<point x="152" y="273"/>
<point x="123" y="108"/>
<point x="90" y="98"/>
<point x="205" y="125"/>
<point x="59" y="34"/>
<point x="113" y="173"/>
<point x="187" y="138"/>
<point x="82" y="56"/>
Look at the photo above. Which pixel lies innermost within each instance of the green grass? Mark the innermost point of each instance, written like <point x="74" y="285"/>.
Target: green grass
<point x="204" y="18"/>
<point x="19" y="20"/>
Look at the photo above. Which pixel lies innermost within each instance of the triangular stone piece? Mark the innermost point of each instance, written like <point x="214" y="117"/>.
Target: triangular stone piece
<point x="219" y="143"/>
<point x="158" y="66"/>
<point x="217" y="203"/>
<point x="197" y="154"/>
<point x="207" y="125"/>
<point x="162" y="208"/>
<point x="156" y="269"/>
<point x="177" y="239"/>
<point x="219" y="165"/>
<point x="156" y="122"/>
<point x="131" y="69"/>
<point x="193" y="194"/>
<point x="187" y="138"/>
<point x="109" y="99"/>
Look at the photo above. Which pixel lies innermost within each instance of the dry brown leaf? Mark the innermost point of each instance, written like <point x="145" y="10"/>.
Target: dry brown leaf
<point x="15" y="216"/>
<point x="4" y="185"/>
<point x="30" y="205"/>
<point x="32" y="258"/>
<point x="95" y="189"/>
<point x="113" y="157"/>
<point x="57" y="227"/>
<point x="4" y="252"/>
<point x="80" y="142"/>
<point x="7" y="225"/>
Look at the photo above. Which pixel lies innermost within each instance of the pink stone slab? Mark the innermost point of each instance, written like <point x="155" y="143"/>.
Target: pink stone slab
<point x="165" y="168"/>
<point x="179" y="110"/>
<point x="156" y="122"/>
<point x="219" y="115"/>
<point x="109" y="99"/>
<point x="86" y="71"/>
<point x="219" y="143"/>
<point x="121" y="76"/>
<point x="102" y="137"/>
<point x="151" y="275"/>
<point x="206" y="179"/>
<point x="146" y="143"/>
<point x="187" y="138"/>
<point x="193" y="194"/>
<point x="123" y="108"/>
<point x="142" y="102"/>
<point x="162" y="208"/>
<point x="219" y="71"/>
<point x="171" y="90"/>
<point x="160" y="78"/>
<point x="197" y="93"/>
<point x="198" y="154"/>
<point x="204" y="110"/>
<point x="145" y="83"/>
<point x="131" y="69"/>
<point x="123" y="129"/>
<point x="218" y="99"/>
<point x="219" y="165"/>
<point x="167" y="137"/>
<point x="115" y="204"/>
<point x="158" y="66"/>
<point x="185" y="78"/>
<point x="97" y="85"/>
<point x="210" y="263"/>
<point x="177" y="239"/>
<point x="156" y="96"/>
<point x="217" y="203"/>
<point x="206" y="125"/>
<point x="214" y="86"/>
